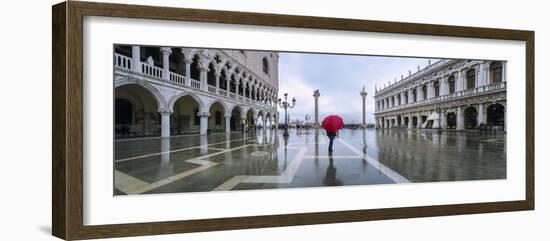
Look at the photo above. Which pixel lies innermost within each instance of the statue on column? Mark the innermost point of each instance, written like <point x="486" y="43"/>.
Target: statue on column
<point x="316" y="95"/>
<point x="364" y="96"/>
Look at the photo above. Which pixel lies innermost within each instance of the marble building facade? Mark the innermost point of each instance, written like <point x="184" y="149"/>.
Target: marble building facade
<point x="166" y="91"/>
<point x="448" y="94"/>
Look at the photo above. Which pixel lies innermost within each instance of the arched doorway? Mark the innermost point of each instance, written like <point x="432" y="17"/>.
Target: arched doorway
<point x="451" y="120"/>
<point x="495" y="115"/>
<point x="185" y="118"/>
<point x="135" y="112"/>
<point x="470" y="117"/>
<point x="415" y="121"/>
<point x="216" y="121"/>
<point x="235" y="120"/>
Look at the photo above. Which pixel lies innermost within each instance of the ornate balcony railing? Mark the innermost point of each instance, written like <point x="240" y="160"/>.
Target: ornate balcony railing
<point x="125" y="63"/>
<point x="151" y="70"/>
<point x="212" y="89"/>
<point x="177" y="78"/>
<point x="195" y="84"/>
<point x="456" y="95"/>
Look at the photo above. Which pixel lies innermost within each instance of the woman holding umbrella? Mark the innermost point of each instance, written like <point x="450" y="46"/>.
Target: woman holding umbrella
<point x="332" y="124"/>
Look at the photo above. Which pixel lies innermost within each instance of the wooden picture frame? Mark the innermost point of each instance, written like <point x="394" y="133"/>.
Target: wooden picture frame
<point x="67" y="150"/>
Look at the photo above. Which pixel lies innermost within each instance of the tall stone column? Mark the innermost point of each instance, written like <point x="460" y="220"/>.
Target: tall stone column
<point x="136" y="59"/>
<point x="166" y="62"/>
<point x="165" y="123"/>
<point x="203" y="122"/>
<point x="316" y="95"/>
<point x="459" y="119"/>
<point x="409" y="124"/>
<point x="480" y="115"/>
<point x="363" y="95"/>
<point x="227" y="123"/>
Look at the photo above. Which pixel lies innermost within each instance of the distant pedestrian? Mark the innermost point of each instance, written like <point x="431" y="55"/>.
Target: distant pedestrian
<point x="332" y="124"/>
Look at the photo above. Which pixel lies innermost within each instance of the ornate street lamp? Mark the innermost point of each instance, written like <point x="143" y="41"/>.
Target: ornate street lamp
<point x="286" y="105"/>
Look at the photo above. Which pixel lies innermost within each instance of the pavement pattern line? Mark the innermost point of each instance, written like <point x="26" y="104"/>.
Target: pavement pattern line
<point x="128" y="184"/>
<point x="396" y="177"/>
<point x="138" y="189"/>
<point x="286" y="177"/>
<point x="177" y="150"/>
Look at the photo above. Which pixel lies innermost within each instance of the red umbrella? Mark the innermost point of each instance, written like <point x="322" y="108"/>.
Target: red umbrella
<point x="333" y="123"/>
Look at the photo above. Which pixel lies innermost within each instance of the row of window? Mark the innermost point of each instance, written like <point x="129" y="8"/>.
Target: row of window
<point x="496" y="71"/>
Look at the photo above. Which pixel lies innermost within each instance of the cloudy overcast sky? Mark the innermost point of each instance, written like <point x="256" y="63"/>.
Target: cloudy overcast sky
<point x="339" y="79"/>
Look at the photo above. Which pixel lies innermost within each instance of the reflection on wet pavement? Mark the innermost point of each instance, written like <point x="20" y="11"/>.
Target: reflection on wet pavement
<point x="265" y="160"/>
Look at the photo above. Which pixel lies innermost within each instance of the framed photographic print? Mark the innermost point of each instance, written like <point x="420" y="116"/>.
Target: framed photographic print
<point x="170" y="120"/>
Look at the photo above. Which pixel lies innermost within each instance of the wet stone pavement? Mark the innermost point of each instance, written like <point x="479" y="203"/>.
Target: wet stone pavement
<point x="267" y="160"/>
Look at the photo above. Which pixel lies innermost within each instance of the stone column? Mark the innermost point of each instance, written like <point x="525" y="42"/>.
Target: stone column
<point x="188" y="71"/>
<point x="136" y="59"/>
<point x="166" y="62"/>
<point x="165" y="123"/>
<point x="480" y="115"/>
<point x="430" y="90"/>
<point x="243" y="123"/>
<point x="504" y="76"/>
<point x="409" y="124"/>
<point x="227" y="123"/>
<point x="442" y="87"/>
<point x="203" y="122"/>
<point x="203" y="78"/>
<point x="218" y="74"/>
<point x="363" y="95"/>
<point x="482" y="75"/>
<point x="459" y="119"/>
<point x="228" y="81"/>
<point x="419" y="93"/>
<point x="316" y="95"/>
<point x="459" y="82"/>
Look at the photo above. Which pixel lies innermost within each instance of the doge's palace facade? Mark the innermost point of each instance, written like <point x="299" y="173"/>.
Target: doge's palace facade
<point x="448" y="94"/>
<point x="164" y="91"/>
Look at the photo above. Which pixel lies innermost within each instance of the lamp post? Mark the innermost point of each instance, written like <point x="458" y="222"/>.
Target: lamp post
<point x="286" y="105"/>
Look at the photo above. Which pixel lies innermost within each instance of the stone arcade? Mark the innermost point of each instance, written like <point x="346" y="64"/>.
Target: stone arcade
<point x="165" y="91"/>
<point x="449" y="94"/>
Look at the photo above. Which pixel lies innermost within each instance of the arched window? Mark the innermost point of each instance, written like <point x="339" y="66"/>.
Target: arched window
<point x="471" y="79"/>
<point x="452" y="84"/>
<point x="496" y="72"/>
<point x="211" y="76"/>
<point x="406" y="97"/>
<point x="414" y="95"/>
<point x="436" y="89"/>
<point x="265" y="65"/>
<point x="195" y="72"/>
